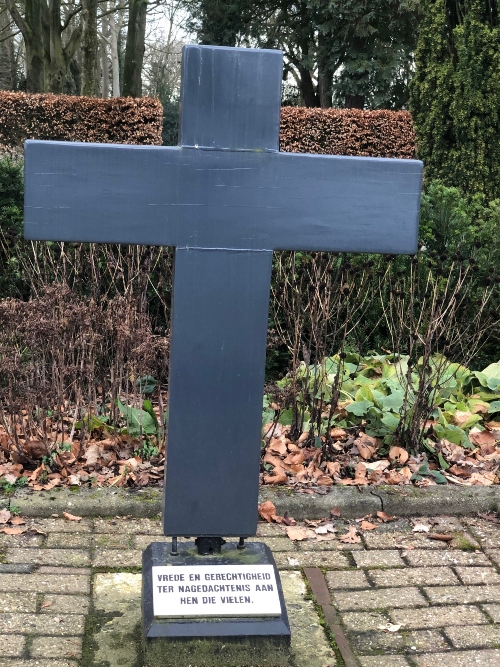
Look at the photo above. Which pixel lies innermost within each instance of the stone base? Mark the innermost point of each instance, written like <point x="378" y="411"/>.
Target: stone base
<point x="212" y="642"/>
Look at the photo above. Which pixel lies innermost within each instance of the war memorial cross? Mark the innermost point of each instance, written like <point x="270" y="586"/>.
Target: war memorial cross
<point x="225" y="198"/>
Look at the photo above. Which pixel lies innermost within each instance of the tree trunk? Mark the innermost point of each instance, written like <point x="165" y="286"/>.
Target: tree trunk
<point x="134" y="49"/>
<point x="354" y="101"/>
<point x="31" y="30"/>
<point x="103" y="54"/>
<point x="7" y="53"/>
<point x="57" y="65"/>
<point x="89" y="48"/>
<point x="325" y="76"/>
<point x="115" y="25"/>
<point x="307" y="87"/>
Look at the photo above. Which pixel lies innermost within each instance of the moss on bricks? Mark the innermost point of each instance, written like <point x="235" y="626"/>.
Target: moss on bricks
<point x="217" y="652"/>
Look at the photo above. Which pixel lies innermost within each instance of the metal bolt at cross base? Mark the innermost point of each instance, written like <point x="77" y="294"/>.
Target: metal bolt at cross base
<point x="225" y="198"/>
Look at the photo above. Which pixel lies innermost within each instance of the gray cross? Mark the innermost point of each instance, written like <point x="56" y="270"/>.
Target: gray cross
<point x="225" y="198"/>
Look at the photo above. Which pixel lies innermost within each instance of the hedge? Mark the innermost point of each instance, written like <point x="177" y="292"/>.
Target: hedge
<point x="122" y="120"/>
<point x="347" y="132"/>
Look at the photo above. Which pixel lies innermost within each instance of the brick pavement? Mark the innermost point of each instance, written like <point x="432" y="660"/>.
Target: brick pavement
<point x="400" y="599"/>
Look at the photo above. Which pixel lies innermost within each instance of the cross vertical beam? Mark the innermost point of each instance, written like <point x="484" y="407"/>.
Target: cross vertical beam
<point x="218" y="349"/>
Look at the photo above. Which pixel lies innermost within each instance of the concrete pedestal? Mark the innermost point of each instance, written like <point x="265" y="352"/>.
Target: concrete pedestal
<point x="212" y="642"/>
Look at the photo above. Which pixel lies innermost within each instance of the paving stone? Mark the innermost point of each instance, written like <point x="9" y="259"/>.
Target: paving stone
<point x="327" y="545"/>
<point x="48" y="569"/>
<point x="376" y="540"/>
<point x="363" y="621"/>
<point x="18" y="602"/>
<point x="12" y="646"/>
<point x="26" y="540"/>
<point x="114" y="541"/>
<point x="346" y="579"/>
<point x="414" y="576"/>
<point x="47" y="583"/>
<point x="64" y="604"/>
<point x="383" y="661"/>
<point x="403" y="641"/>
<point x="132" y="526"/>
<point x="437" y="617"/>
<point x="326" y="559"/>
<point x="478" y="575"/>
<point x="474" y="636"/>
<point x="379" y="558"/>
<point x="120" y="593"/>
<point x="489" y="658"/>
<point x="446" y="524"/>
<point x="143" y="541"/>
<point x="60" y="525"/>
<point x="486" y="532"/>
<point x="117" y="558"/>
<point x="265" y="529"/>
<point x="50" y="647"/>
<point x="274" y="543"/>
<point x="38" y="663"/>
<point x="493" y="610"/>
<point x="462" y="594"/>
<point x="494" y="554"/>
<point x="68" y="540"/>
<point x="78" y="558"/>
<point x="421" y="558"/>
<point x="16" y="568"/>
<point x="379" y="599"/>
<point x="42" y="624"/>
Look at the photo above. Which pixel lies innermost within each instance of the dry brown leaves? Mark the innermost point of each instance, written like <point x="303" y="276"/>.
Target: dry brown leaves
<point x="6" y="517"/>
<point x="355" y="461"/>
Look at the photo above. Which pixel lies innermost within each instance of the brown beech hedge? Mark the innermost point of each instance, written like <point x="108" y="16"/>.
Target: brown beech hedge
<point x="347" y="132"/>
<point x="120" y="120"/>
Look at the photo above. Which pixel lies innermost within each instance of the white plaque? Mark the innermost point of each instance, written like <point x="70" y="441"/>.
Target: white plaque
<point x="215" y="590"/>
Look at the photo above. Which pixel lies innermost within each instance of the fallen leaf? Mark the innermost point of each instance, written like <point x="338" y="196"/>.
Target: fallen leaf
<point x="45" y="605"/>
<point x="267" y="510"/>
<point x="377" y="465"/>
<point x="351" y="537"/>
<point x="71" y="517"/>
<point x="5" y="515"/>
<point x="277" y="446"/>
<point x="385" y="517"/>
<point x="440" y="537"/>
<point x="399" y="455"/>
<point x="333" y="467"/>
<point x="324" y="480"/>
<point x="297" y="533"/>
<point x="366" y="525"/>
<point x="365" y="451"/>
<point x="56" y="516"/>
<point x="35" y="449"/>
<point x="278" y="478"/>
<point x="481" y="437"/>
<point x="323" y="530"/>
<point x="17" y="521"/>
<point x="12" y="531"/>
<point x="335" y="512"/>
<point x="421" y="528"/>
<point x="390" y="627"/>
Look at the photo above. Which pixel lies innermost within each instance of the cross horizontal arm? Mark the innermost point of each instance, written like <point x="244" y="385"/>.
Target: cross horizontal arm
<point x="187" y="197"/>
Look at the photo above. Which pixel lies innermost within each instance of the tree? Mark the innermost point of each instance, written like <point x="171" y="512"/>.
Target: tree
<point x="455" y="94"/>
<point x="47" y="55"/>
<point x="134" y="48"/>
<point x="89" y="47"/>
